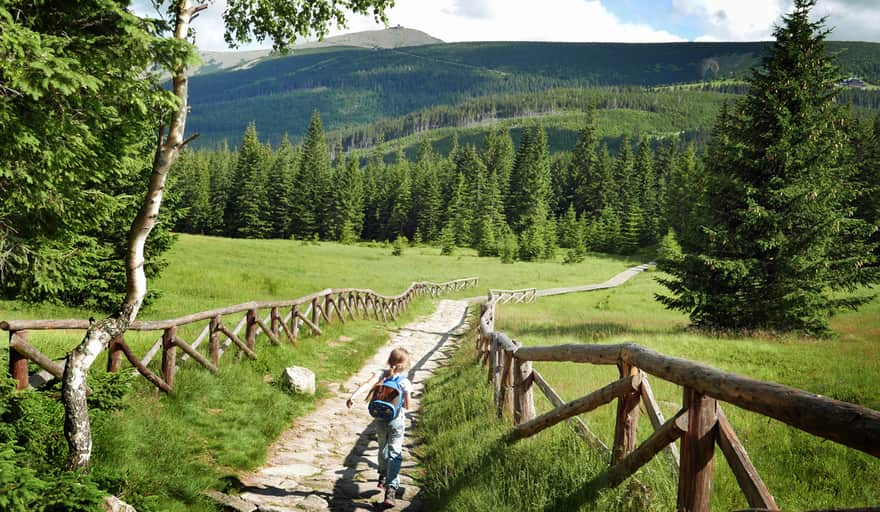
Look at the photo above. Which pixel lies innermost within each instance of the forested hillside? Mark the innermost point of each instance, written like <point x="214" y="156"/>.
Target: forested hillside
<point x="353" y="86"/>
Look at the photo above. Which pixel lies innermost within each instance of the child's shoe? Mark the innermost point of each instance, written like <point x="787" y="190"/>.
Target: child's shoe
<point x="390" y="493"/>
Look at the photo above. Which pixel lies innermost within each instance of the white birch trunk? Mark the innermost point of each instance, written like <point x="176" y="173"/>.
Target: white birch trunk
<point x="77" y="428"/>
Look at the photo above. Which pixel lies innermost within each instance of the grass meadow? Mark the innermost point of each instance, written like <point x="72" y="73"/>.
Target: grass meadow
<point x="471" y="469"/>
<point x="160" y="451"/>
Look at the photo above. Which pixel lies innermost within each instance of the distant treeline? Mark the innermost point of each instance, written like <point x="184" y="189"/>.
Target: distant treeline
<point x="516" y="202"/>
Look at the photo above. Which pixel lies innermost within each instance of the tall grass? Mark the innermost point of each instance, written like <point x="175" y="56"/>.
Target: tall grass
<point x="802" y="471"/>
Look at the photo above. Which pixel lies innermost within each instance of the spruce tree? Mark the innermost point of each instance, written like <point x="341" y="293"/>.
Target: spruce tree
<point x="498" y="157"/>
<point x="649" y="224"/>
<point x="314" y="182"/>
<point x="586" y="168"/>
<point x="346" y="214"/>
<point x="247" y="198"/>
<point x="427" y="193"/>
<point x="401" y="218"/>
<point x="281" y="189"/>
<point x="778" y="248"/>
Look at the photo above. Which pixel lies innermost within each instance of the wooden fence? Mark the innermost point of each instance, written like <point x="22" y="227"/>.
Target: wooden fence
<point x="273" y="318"/>
<point x="700" y="423"/>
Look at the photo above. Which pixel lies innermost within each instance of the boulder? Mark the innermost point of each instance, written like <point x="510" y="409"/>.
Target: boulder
<point x="299" y="380"/>
<point x="114" y="504"/>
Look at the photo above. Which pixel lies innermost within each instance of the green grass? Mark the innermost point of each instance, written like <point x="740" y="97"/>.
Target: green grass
<point x="801" y="471"/>
<point x="159" y="452"/>
<point x="208" y="272"/>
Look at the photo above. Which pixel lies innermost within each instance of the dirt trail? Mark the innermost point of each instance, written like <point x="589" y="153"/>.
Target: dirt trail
<point x="327" y="460"/>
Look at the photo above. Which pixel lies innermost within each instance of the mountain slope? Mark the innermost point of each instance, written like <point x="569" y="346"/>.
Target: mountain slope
<point x="394" y="37"/>
<point x="352" y="86"/>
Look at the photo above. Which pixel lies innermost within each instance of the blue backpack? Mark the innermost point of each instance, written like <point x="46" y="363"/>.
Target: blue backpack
<point x="387" y="399"/>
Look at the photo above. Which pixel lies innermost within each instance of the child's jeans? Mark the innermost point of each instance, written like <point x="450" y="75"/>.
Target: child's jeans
<point x="390" y="436"/>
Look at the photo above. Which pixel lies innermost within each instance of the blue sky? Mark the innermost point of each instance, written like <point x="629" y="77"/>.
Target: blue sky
<point x="589" y="20"/>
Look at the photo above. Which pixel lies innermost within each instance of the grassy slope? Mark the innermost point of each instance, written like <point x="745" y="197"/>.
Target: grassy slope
<point x="801" y="471"/>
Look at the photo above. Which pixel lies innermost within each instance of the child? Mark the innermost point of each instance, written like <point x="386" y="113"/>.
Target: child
<point x="389" y="433"/>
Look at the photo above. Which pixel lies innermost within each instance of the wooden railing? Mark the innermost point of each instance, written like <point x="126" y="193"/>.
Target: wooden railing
<point x="265" y="317"/>
<point x="700" y="423"/>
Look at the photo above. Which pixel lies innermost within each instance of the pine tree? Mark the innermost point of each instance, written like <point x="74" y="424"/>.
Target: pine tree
<point x="247" y="200"/>
<point x="585" y="169"/>
<point x="427" y="193"/>
<point x="401" y="218"/>
<point x="220" y="165"/>
<point x="314" y="182"/>
<point x="281" y="186"/>
<point x="191" y="169"/>
<point x="529" y="180"/>
<point x="867" y="158"/>
<point x="498" y="158"/>
<point x="346" y="214"/>
<point x="777" y="237"/>
<point x="649" y="223"/>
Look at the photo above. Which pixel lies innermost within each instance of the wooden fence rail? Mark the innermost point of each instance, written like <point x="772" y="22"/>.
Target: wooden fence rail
<point x="700" y="424"/>
<point x="310" y="311"/>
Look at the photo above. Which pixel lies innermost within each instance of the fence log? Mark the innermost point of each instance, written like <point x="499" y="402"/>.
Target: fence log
<point x="315" y="330"/>
<point x="579" y="424"/>
<point x="195" y="354"/>
<point x="753" y="487"/>
<point x="627" y="416"/>
<point x="268" y="332"/>
<point x="505" y="398"/>
<point x="114" y="356"/>
<point x="274" y="324"/>
<point x="250" y="336"/>
<point x="294" y="322"/>
<point x="154" y="349"/>
<point x="697" y="450"/>
<point x="668" y="433"/>
<point x="232" y="337"/>
<point x="578" y="406"/>
<point x="169" y="356"/>
<point x="523" y="402"/>
<point x="316" y="315"/>
<point x="214" y="340"/>
<point x="20" y="351"/>
<point x="142" y="369"/>
<point x="18" y="363"/>
<point x="848" y="424"/>
<point x="290" y="336"/>
<point x="655" y="415"/>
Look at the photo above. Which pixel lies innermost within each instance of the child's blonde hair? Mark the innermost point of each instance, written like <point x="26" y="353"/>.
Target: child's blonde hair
<point x="399" y="359"/>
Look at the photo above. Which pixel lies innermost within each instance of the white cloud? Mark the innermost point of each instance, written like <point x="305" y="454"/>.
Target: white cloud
<point x="733" y="20"/>
<point x="518" y="20"/>
<point x="480" y="20"/>
<point x="852" y="20"/>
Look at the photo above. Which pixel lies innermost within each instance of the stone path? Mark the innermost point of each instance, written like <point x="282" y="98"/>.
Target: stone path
<point x="327" y="460"/>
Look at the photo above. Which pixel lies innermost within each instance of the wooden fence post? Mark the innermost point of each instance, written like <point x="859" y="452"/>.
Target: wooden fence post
<point x="316" y="315"/>
<point x="523" y="402"/>
<point x="697" y="450"/>
<point x="275" y="322"/>
<point x="114" y="355"/>
<point x="214" y="340"/>
<point x="169" y="355"/>
<point x="251" y="332"/>
<point x="18" y="364"/>
<point x="627" y="418"/>
<point x="294" y="321"/>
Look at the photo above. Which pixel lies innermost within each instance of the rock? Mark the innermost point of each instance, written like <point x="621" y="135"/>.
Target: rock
<point x="230" y="502"/>
<point x="114" y="504"/>
<point x="314" y="502"/>
<point x="299" y="380"/>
